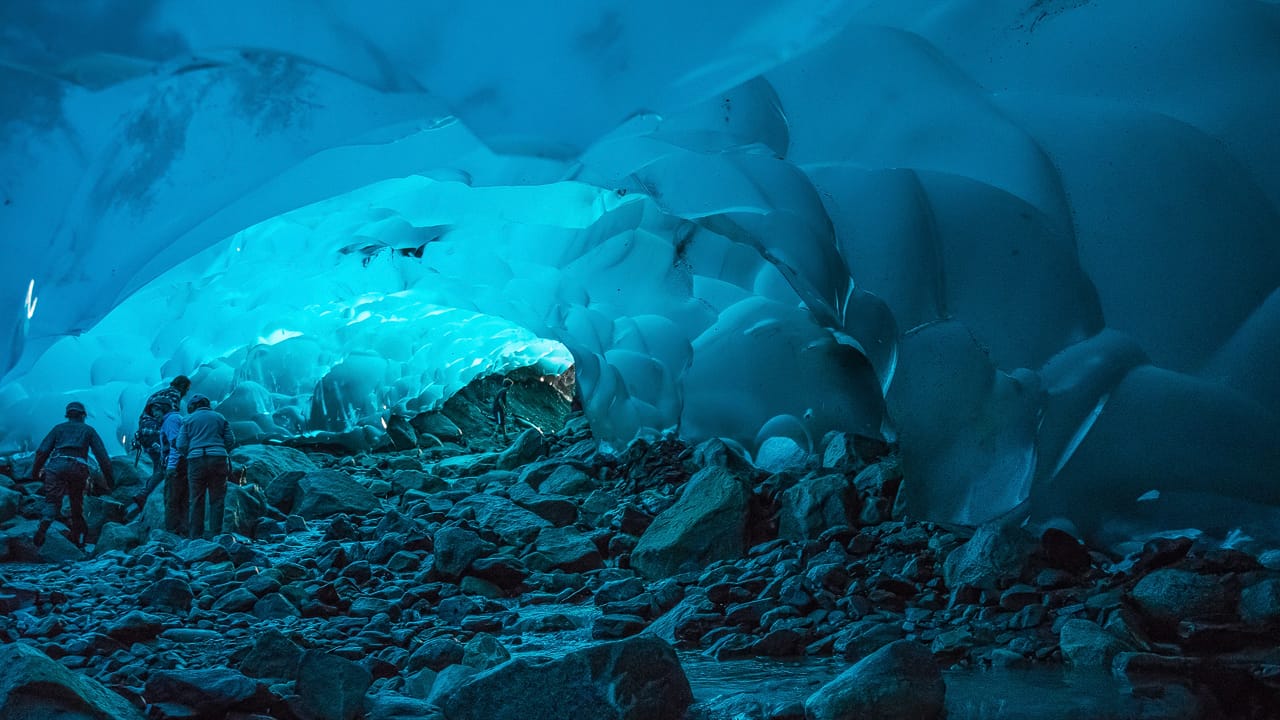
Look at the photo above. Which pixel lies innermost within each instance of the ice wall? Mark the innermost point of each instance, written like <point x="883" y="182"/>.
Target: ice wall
<point x="1037" y="241"/>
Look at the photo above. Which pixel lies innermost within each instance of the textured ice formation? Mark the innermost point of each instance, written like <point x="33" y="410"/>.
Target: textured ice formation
<point x="1037" y="241"/>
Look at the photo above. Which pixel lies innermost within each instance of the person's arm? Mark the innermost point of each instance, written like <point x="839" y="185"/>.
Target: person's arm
<point x="228" y="437"/>
<point x="42" y="455"/>
<point x="104" y="460"/>
<point x="184" y="440"/>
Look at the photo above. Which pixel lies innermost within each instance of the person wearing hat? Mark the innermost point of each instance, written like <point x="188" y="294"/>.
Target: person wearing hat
<point x="62" y="462"/>
<point x="205" y="440"/>
<point x="147" y="437"/>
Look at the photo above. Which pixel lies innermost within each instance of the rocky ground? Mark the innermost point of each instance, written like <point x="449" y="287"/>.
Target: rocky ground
<point x="546" y="578"/>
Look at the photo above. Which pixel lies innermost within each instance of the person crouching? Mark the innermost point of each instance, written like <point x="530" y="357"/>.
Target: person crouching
<point x="62" y="462"/>
<point x="205" y="440"/>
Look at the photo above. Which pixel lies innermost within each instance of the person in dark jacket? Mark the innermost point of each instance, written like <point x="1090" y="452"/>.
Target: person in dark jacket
<point x="205" y="440"/>
<point x="62" y="463"/>
<point x="158" y="405"/>
<point x="176" y="507"/>
<point x="500" y="407"/>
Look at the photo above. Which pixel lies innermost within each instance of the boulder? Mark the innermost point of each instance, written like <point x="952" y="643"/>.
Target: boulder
<point x="994" y="558"/>
<point x="708" y="523"/>
<point x="567" y="480"/>
<point x="569" y="550"/>
<point x="10" y="503"/>
<point x="213" y="691"/>
<point x="528" y="446"/>
<point x="264" y="463"/>
<point x="1260" y="603"/>
<point x="635" y="679"/>
<point x="273" y="656"/>
<point x="815" y="504"/>
<point x="330" y="687"/>
<point x="58" y="549"/>
<point x="245" y="506"/>
<point x="437" y="424"/>
<point x="900" y="681"/>
<point x="436" y="654"/>
<point x="1085" y="644"/>
<point x="456" y="548"/>
<point x="406" y="480"/>
<point x="282" y="490"/>
<point x="171" y="594"/>
<point x="35" y="687"/>
<point x="328" y="492"/>
<point x="512" y="523"/>
<point x="114" y="536"/>
<point x="1170" y="595"/>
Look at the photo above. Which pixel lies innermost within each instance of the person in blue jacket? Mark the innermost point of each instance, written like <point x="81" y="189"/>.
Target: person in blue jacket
<point x="205" y="440"/>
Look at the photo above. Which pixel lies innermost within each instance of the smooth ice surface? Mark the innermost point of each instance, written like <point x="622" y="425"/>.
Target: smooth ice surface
<point x="1037" y="241"/>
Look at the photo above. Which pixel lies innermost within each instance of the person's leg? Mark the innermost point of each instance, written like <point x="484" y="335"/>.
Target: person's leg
<point x="53" y="491"/>
<point x="219" y="473"/>
<point x="79" y="528"/>
<point x="196" y="486"/>
<point x="175" y="499"/>
<point x="157" y="476"/>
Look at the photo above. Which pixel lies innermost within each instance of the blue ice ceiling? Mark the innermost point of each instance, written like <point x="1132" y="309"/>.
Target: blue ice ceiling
<point x="1036" y="241"/>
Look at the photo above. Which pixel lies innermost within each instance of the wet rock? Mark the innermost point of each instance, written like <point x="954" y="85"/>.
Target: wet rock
<point x="614" y="627"/>
<point x="274" y="606"/>
<point x="437" y="654"/>
<point x="406" y="480"/>
<point x="34" y="687"/>
<point x="1260" y="603"/>
<point x="569" y="550"/>
<point x="483" y="652"/>
<point x="618" y="590"/>
<point x="273" y="656"/>
<point x="864" y="638"/>
<point x="213" y="691"/>
<point x="1085" y="644"/>
<point x="197" y="551"/>
<point x="264" y="463"/>
<point x="245" y="506"/>
<point x="506" y="573"/>
<point x="510" y="522"/>
<point x="58" y="549"/>
<point x="330" y="687"/>
<point x="1169" y="595"/>
<point x="135" y="627"/>
<point x="815" y="504"/>
<point x="10" y="503"/>
<point x="992" y="559"/>
<point x="567" y="480"/>
<point x="169" y="594"/>
<point x="1064" y="552"/>
<point x="900" y="681"/>
<point x="457" y="548"/>
<point x="635" y="679"/>
<point x="706" y="524"/>
<point x="528" y="446"/>
<point x="555" y="509"/>
<point x="238" y="600"/>
<point x="282" y="490"/>
<point x="328" y="492"/>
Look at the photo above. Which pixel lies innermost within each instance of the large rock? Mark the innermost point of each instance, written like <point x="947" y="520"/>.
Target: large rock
<point x="1085" y="644"/>
<point x="263" y="463"/>
<point x="900" y="681"/>
<point x="1169" y="595"/>
<point x="1260" y="603"/>
<point x="245" y="505"/>
<point x="569" y="550"/>
<point x="212" y="691"/>
<point x="512" y="523"/>
<point x="456" y="548"/>
<point x="10" y="503"/>
<point x="115" y="536"/>
<point x="282" y="490"/>
<point x="635" y="679"/>
<point x="330" y="687"/>
<point x="815" y="504"/>
<point x="273" y="656"/>
<point x="329" y="492"/>
<point x="34" y="687"/>
<point x="708" y="523"/>
<point x="994" y="557"/>
<point x="527" y="447"/>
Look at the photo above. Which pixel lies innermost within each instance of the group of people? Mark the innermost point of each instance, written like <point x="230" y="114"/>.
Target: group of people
<point x="190" y="455"/>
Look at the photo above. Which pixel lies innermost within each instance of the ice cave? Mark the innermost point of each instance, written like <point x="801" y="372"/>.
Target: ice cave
<point x="1032" y="245"/>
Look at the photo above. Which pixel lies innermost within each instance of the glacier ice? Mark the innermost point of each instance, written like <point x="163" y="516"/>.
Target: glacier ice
<point x="1038" y="243"/>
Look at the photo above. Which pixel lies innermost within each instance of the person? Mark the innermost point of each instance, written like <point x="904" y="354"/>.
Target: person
<point x="500" y="407"/>
<point x="205" y="440"/>
<point x="176" y="508"/>
<point x="147" y="437"/>
<point x="62" y="463"/>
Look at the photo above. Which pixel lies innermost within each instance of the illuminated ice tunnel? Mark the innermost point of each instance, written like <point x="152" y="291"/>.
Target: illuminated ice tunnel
<point x="1037" y="243"/>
